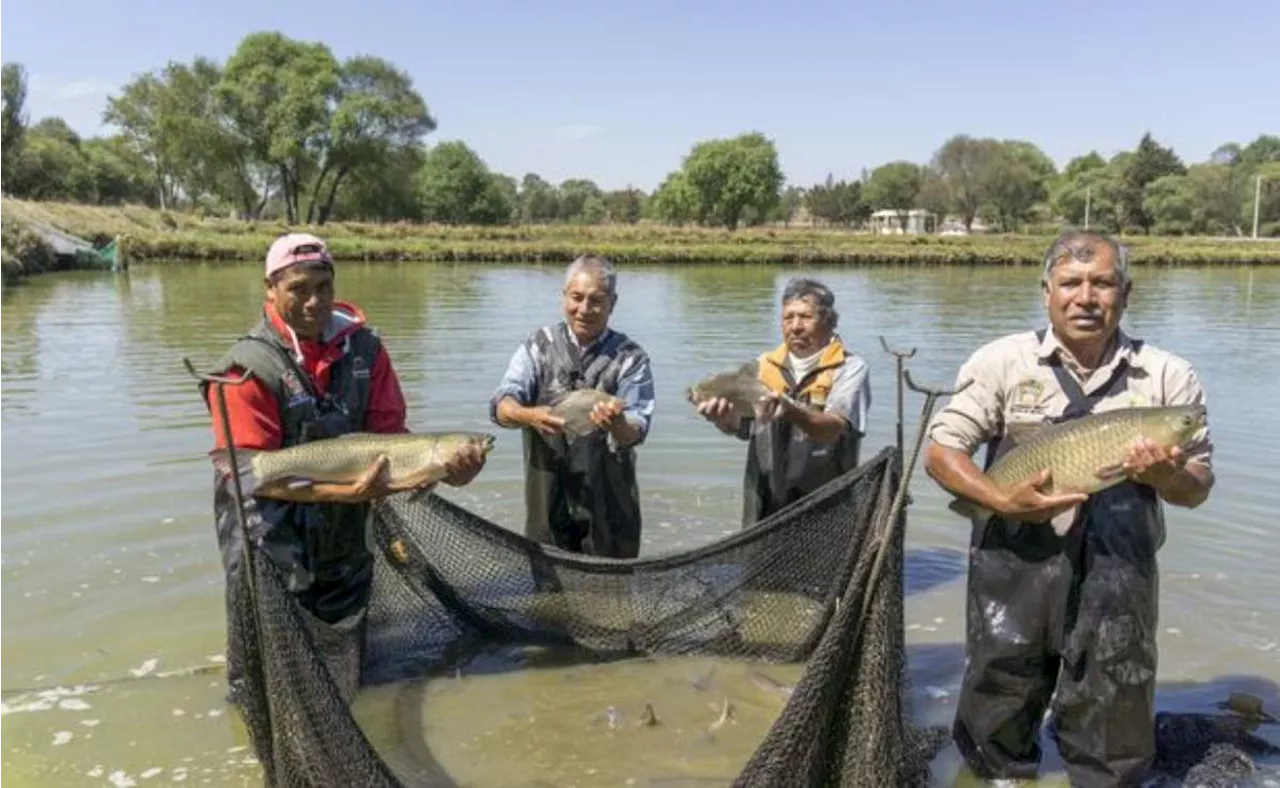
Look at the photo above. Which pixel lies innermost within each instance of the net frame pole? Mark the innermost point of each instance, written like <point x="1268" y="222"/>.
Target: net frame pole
<point x="899" y="357"/>
<point x="899" y="499"/>
<point x="246" y="547"/>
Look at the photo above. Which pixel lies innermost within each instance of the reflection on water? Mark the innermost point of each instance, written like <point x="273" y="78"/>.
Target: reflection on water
<point x="110" y="565"/>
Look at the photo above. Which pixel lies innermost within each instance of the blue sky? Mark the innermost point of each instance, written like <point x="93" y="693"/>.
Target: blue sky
<point x="619" y="92"/>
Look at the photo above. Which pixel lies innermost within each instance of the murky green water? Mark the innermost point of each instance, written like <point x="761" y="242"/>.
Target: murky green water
<point x="110" y="568"/>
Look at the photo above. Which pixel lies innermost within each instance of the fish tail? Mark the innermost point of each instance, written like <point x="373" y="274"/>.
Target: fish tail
<point x="244" y="459"/>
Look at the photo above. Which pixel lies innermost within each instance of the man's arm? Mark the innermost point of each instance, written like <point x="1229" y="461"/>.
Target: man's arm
<point x="511" y="404"/>
<point x="636" y="390"/>
<point x="1181" y="478"/>
<point x="254" y="416"/>
<point x="846" y="407"/>
<point x="970" y="419"/>
<point x="386" y="412"/>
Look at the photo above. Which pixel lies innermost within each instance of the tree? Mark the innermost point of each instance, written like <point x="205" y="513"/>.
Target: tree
<point x="538" y="200"/>
<point x="960" y="165"/>
<point x="1149" y="162"/>
<point x="624" y="205"/>
<point x="573" y="196"/>
<point x="730" y="176"/>
<point x="1014" y="178"/>
<point x="837" y="202"/>
<point x="377" y="113"/>
<point x="675" y="201"/>
<point x="895" y="187"/>
<point x="456" y="187"/>
<point x="276" y="93"/>
<point x="13" y="116"/>
<point x="1199" y="202"/>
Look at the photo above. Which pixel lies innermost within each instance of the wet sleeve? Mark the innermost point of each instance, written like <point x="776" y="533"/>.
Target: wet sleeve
<point x="252" y="411"/>
<point x="1182" y="387"/>
<point x="971" y="418"/>
<point x="519" y="381"/>
<point x="386" y="412"/>
<point x="636" y="390"/>
<point x="850" y="394"/>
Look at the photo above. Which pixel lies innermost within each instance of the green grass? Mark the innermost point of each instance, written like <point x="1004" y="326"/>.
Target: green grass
<point x="152" y="235"/>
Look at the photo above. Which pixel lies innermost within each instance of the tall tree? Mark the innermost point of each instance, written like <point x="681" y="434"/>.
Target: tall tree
<point x="13" y="116"/>
<point x="1149" y="162"/>
<point x="894" y="187"/>
<point x="728" y="176"/>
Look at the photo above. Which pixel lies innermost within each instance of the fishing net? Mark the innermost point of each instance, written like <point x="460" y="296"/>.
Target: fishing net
<point x="446" y="579"/>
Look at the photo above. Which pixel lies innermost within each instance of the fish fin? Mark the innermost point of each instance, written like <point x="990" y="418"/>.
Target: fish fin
<point x="751" y="369"/>
<point x="967" y="508"/>
<point x="1063" y="521"/>
<point x="1111" y="472"/>
<point x="420" y="493"/>
<point x="299" y="482"/>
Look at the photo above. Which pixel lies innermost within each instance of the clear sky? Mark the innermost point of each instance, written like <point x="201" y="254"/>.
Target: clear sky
<point x="619" y="92"/>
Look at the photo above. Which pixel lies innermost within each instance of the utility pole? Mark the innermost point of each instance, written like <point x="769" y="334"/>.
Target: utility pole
<point x="1088" y="198"/>
<point x="1257" y="199"/>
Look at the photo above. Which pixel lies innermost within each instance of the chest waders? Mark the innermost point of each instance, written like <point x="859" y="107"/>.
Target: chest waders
<point x="319" y="548"/>
<point x="784" y="464"/>
<point x="1076" y="614"/>
<point x="581" y="496"/>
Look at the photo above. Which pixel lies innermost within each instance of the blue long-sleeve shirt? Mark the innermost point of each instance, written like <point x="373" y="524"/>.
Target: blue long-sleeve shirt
<point x="635" y="381"/>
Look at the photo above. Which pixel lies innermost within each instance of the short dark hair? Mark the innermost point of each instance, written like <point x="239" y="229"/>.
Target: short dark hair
<point x="815" y="293"/>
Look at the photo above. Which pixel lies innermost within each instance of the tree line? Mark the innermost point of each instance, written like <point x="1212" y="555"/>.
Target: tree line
<point x="285" y="129"/>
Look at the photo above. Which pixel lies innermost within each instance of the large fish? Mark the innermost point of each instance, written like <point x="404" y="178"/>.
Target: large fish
<point x="1087" y="454"/>
<point x="413" y="459"/>
<point x="575" y="408"/>
<point x="741" y="387"/>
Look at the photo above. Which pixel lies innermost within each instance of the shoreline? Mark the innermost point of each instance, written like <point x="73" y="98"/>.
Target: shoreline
<point x="150" y="235"/>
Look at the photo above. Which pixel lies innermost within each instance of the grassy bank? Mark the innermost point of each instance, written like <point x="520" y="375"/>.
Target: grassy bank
<point x="154" y="235"/>
<point x="21" y="252"/>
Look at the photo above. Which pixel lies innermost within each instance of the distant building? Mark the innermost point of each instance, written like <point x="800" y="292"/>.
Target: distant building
<point x="889" y="222"/>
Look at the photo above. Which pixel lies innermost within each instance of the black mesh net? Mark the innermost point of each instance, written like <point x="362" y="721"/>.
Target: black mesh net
<point x="819" y="583"/>
<point x="446" y="579"/>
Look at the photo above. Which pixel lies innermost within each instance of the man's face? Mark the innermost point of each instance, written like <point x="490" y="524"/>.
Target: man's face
<point x="1085" y="301"/>
<point x="303" y="297"/>
<point x="803" y="328"/>
<point x="587" y="305"/>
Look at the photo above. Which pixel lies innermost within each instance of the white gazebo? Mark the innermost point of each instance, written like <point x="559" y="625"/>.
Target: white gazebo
<point x="888" y="221"/>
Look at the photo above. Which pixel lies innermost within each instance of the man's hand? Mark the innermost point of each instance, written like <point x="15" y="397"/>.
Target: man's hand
<point x="719" y="411"/>
<point x="607" y="415"/>
<point x="1148" y="463"/>
<point x="465" y="466"/>
<point x="1027" y="501"/>
<point x="541" y="419"/>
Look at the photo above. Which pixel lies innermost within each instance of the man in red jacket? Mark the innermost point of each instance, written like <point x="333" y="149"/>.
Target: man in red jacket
<point x="318" y="372"/>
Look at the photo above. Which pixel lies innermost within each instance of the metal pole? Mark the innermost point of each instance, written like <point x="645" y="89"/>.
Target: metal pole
<point x="899" y="356"/>
<point x="245" y="547"/>
<point x="899" y="499"/>
<point x="1088" y="199"/>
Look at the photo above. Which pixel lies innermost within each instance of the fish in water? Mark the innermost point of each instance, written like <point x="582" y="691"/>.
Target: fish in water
<point x="413" y="459"/>
<point x="741" y="387"/>
<point x="1087" y="454"/>
<point x="1247" y="706"/>
<point x="575" y="408"/>
<point x="769" y="685"/>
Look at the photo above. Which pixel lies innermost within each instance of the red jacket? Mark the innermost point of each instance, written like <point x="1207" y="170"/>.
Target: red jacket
<point x="255" y="414"/>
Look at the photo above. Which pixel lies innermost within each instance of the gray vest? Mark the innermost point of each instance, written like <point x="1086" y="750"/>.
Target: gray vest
<point x="581" y="496"/>
<point x="319" y="547"/>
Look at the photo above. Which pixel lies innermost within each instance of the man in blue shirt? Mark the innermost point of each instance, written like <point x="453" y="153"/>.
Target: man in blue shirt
<point x="581" y="493"/>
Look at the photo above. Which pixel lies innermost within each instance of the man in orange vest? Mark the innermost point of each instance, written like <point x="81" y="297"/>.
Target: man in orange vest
<point x="811" y="425"/>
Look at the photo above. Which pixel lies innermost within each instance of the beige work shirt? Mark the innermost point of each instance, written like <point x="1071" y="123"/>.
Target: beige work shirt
<point x="1015" y="390"/>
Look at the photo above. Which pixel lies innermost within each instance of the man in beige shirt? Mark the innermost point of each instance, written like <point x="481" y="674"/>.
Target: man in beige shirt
<point x="1075" y="614"/>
